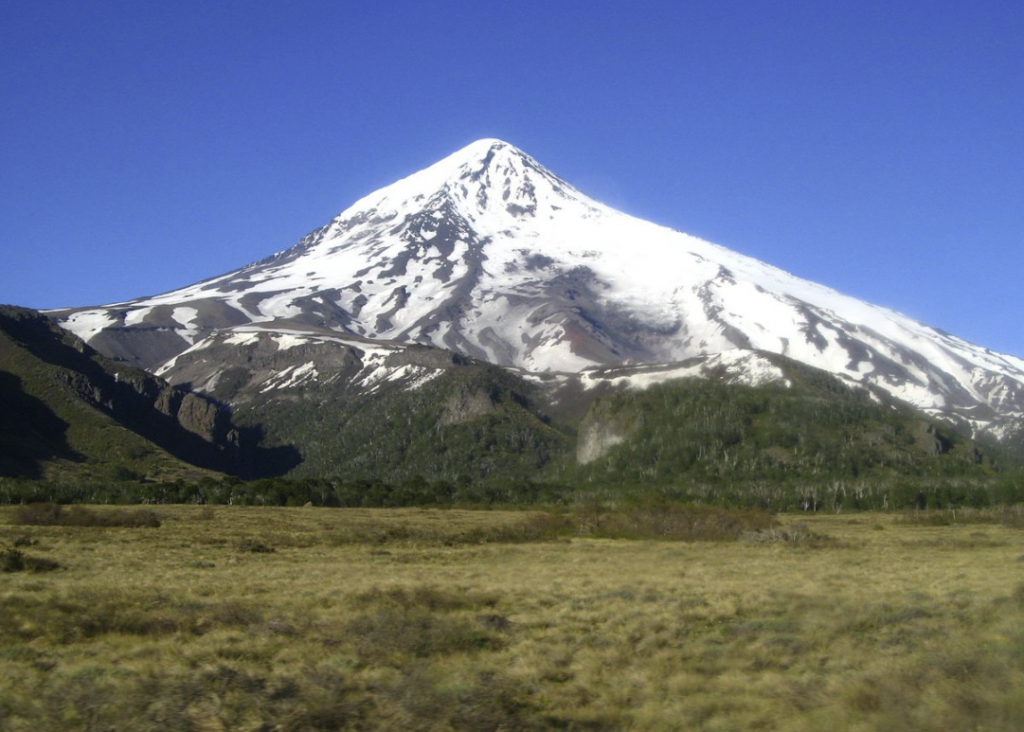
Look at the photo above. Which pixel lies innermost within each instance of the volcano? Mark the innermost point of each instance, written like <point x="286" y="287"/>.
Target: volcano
<point x="490" y="255"/>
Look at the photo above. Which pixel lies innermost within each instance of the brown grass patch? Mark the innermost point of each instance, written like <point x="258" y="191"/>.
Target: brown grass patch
<point x="669" y="522"/>
<point x="51" y="514"/>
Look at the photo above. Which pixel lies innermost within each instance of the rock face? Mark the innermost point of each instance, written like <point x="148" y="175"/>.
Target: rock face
<point x="490" y="255"/>
<point x="193" y="427"/>
<point x="596" y="439"/>
<point x="466" y="405"/>
<point x="201" y="416"/>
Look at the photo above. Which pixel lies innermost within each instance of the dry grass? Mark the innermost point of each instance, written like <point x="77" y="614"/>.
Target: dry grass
<point x="458" y="620"/>
<point x="1012" y="516"/>
<point x="667" y="521"/>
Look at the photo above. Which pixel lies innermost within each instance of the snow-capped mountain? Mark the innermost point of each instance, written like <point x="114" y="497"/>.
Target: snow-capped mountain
<point x="489" y="254"/>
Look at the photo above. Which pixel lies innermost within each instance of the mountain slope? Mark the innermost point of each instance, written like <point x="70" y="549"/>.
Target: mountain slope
<point x="489" y="254"/>
<point x="371" y="409"/>
<point x="351" y="409"/>
<point x="68" y="412"/>
<point x="358" y="409"/>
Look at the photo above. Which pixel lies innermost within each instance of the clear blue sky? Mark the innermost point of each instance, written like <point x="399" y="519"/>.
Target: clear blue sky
<point x="876" y="147"/>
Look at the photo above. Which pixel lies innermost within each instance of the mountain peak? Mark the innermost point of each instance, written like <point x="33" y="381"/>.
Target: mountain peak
<point x="481" y="147"/>
<point x="489" y="254"/>
<point x="488" y="176"/>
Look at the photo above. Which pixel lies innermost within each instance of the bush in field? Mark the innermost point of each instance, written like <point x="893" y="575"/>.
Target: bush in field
<point x="659" y="519"/>
<point x="50" y="514"/>
<point x="38" y="514"/>
<point x="14" y="560"/>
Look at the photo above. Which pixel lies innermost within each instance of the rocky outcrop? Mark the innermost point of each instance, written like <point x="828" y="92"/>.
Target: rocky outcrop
<point x="193" y="427"/>
<point x="595" y="440"/>
<point x="466" y="405"/>
<point x="202" y="417"/>
<point x="600" y="431"/>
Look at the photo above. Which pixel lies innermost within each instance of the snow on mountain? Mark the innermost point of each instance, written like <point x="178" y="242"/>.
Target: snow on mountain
<point x="489" y="254"/>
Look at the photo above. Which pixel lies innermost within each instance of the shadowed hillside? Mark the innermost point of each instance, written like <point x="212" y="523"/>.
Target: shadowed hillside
<point x="69" y="410"/>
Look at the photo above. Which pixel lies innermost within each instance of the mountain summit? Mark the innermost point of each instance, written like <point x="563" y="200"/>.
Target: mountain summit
<point x="489" y="254"/>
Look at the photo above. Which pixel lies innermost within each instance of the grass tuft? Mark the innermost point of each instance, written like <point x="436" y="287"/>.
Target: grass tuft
<point x="425" y="597"/>
<point x="392" y="634"/>
<point x="798" y="534"/>
<point x="253" y="546"/>
<point x="423" y="621"/>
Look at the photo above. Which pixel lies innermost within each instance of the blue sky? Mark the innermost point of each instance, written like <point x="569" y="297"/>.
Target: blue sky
<point x="875" y="147"/>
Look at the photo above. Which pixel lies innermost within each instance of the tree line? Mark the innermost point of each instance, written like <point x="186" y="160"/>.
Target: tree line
<point x="897" y="493"/>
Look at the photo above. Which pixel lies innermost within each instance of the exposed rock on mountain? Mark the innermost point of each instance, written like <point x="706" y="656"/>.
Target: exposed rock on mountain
<point x="65" y="404"/>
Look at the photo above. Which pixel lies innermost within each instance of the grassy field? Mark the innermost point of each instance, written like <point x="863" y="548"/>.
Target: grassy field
<point x="321" y="619"/>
